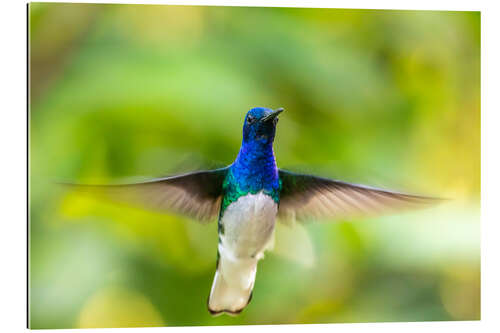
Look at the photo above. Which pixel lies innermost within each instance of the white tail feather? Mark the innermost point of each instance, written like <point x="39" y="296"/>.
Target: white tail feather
<point x="232" y="286"/>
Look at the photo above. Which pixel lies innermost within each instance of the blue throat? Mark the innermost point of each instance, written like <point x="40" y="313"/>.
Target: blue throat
<point x="254" y="170"/>
<point x="255" y="167"/>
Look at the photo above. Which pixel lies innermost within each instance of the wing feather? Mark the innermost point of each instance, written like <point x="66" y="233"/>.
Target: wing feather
<point x="197" y="194"/>
<point x="304" y="197"/>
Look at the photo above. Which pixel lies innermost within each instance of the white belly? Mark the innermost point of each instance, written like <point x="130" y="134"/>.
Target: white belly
<point x="248" y="226"/>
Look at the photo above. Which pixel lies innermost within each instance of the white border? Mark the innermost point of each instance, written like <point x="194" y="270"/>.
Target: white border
<point x="13" y="148"/>
<point x="456" y="5"/>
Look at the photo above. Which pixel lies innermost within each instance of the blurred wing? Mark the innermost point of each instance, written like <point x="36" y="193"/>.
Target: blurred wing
<point x="197" y="195"/>
<point x="305" y="197"/>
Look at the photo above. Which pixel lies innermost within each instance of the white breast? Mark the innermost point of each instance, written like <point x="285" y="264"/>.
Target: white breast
<point x="248" y="226"/>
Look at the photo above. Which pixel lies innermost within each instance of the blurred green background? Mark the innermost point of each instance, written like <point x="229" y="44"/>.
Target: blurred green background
<point x="127" y="92"/>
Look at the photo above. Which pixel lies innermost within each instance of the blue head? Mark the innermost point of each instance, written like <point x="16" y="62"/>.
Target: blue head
<point x="259" y="127"/>
<point x="255" y="166"/>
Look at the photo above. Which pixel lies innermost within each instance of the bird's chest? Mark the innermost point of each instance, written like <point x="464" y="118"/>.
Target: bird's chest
<point x="247" y="225"/>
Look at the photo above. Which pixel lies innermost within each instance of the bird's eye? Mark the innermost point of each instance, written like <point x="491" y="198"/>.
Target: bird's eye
<point x="250" y="119"/>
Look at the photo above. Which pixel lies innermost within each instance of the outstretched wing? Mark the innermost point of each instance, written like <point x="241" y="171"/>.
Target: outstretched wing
<point x="197" y="194"/>
<point x="305" y="197"/>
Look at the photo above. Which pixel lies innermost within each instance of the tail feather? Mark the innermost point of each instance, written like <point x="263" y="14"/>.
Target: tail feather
<point x="232" y="287"/>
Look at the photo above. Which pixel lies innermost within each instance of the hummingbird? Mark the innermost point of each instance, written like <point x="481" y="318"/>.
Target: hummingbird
<point x="248" y="197"/>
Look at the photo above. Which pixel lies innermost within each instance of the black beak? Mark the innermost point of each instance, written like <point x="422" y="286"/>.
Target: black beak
<point x="272" y="115"/>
